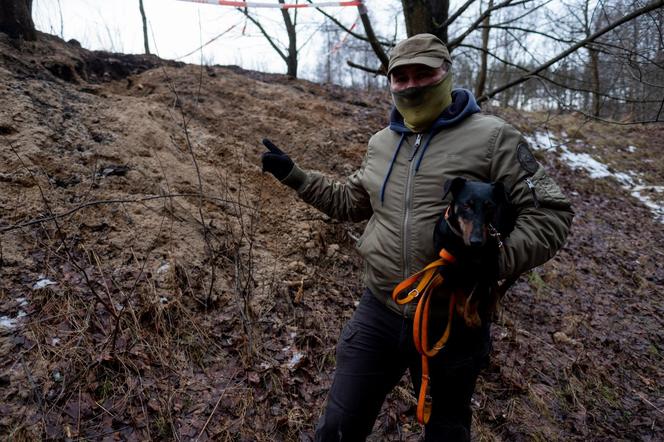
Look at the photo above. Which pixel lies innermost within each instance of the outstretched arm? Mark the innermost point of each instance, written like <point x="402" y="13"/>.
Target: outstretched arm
<point x="347" y="201"/>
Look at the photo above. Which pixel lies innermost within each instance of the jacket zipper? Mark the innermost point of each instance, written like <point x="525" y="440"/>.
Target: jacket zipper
<point x="416" y="146"/>
<point x="405" y="246"/>
<point x="531" y="186"/>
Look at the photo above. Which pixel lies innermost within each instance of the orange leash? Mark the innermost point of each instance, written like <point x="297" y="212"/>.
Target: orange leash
<point x="429" y="278"/>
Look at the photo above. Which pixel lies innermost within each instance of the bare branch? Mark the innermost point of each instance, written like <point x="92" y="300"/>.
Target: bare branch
<point x="454" y="43"/>
<point x="55" y="216"/>
<point x="552" y="81"/>
<point x="348" y="30"/>
<point x="530" y="31"/>
<point x="525" y="14"/>
<point x="640" y="78"/>
<point x="481" y="78"/>
<point x="212" y="40"/>
<point x="595" y="117"/>
<point x="599" y="46"/>
<point x="533" y="73"/>
<point x="108" y="305"/>
<point x="456" y="14"/>
<point x="378" y="71"/>
<point x="264" y="32"/>
<point x="373" y="41"/>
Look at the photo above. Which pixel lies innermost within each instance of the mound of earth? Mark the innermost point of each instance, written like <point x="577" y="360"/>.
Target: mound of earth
<point x="157" y="285"/>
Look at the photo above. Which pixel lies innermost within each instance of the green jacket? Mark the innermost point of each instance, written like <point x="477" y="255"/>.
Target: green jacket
<point x="400" y="189"/>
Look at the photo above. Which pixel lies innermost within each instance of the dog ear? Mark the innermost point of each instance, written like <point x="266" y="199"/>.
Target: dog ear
<point x="454" y="185"/>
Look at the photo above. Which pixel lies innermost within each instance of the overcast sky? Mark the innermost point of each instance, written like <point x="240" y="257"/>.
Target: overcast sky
<point x="178" y="27"/>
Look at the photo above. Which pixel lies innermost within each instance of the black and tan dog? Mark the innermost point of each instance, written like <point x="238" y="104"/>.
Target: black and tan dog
<point x="477" y="220"/>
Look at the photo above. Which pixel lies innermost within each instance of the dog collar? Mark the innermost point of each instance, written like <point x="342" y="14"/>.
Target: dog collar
<point x="454" y="230"/>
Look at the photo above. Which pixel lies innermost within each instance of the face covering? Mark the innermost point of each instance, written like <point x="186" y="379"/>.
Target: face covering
<point x="420" y="106"/>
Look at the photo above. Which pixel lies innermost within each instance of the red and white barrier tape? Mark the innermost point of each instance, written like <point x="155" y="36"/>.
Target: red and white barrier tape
<point x="343" y="40"/>
<point x="243" y="4"/>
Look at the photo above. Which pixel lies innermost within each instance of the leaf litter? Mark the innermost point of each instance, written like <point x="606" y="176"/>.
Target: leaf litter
<point x="177" y="316"/>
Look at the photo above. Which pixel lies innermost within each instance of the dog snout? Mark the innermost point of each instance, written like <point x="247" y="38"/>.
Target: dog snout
<point x="476" y="242"/>
<point x="478" y="236"/>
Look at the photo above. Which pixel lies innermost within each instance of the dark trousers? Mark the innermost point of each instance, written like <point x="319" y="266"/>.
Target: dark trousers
<point x="375" y="349"/>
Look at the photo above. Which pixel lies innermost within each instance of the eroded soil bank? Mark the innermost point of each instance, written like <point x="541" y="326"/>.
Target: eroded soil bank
<point x="156" y="285"/>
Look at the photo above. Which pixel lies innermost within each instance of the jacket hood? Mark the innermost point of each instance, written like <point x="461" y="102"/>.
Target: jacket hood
<point x="463" y="105"/>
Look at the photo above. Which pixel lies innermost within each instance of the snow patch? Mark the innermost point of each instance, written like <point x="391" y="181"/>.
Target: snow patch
<point x="8" y="323"/>
<point x="585" y="161"/>
<point x="629" y="180"/>
<point x="43" y="282"/>
<point x="539" y="141"/>
<point x="656" y="207"/>
<point x="295" y="360"/>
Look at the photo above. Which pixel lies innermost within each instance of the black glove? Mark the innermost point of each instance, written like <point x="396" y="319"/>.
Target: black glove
<point x="276" y="161"/>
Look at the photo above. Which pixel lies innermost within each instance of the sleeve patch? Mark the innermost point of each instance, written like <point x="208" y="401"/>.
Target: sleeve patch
<point x="526" y="158"/>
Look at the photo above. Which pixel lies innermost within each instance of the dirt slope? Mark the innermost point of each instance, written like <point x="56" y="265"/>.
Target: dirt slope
<point x="133" y="308"/>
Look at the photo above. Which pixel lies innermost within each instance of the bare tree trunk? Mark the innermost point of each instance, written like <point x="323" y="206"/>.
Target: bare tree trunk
<point x="328" y="57"/>
<point x="145" y="27"/>
<point x="62" y="22"/>
<point x="371" y="36"/>
<point x="426" y="16"/>
<point x="636" y="110"/>
<point x="593" y="55"/>
<point x="505" y="74"/>
<point x="481" y="78"/>
<point x="16" y="19"/>
<point x="594" y="70"/>
<point x="291" y="58"/>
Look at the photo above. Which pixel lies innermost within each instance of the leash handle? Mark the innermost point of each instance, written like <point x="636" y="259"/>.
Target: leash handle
<point x="427" y="274"/>
<point x="429" y="278"/>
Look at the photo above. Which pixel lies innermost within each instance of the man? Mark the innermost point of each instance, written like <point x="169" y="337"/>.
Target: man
<point x="435" y="134"/>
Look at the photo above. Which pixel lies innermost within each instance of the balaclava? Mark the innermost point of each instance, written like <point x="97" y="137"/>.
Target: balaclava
<point x="420" y="106"/>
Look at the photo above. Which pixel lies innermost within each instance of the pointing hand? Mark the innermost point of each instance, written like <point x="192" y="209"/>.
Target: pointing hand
<point x="276" y="161"/>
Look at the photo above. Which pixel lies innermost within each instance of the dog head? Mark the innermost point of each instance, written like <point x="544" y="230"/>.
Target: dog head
<point x="477" y="210"/>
